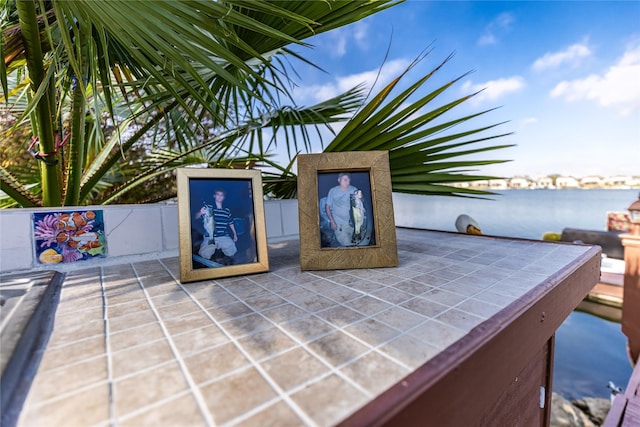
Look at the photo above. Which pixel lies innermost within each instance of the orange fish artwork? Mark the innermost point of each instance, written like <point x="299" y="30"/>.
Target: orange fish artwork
<point x="63" y="237"/>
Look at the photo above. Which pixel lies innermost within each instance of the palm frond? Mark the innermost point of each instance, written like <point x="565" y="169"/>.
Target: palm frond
<point x="279" y="182"/>
<point x="184" y="71"/>
<point x="229" y="145"/>
<point x="19" y="192"/>
<point x="422" y="159"/>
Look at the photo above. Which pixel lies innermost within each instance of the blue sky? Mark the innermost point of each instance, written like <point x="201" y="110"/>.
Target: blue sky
<point x="566" y="75"/>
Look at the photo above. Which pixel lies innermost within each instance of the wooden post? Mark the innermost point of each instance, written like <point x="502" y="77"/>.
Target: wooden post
<point x="631" y="298"/>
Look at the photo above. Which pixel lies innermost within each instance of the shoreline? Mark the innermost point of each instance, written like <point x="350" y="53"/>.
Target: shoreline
<point x="584" y="412"/>
<point x="555" y="182"/>
<point x="478" y="187"/>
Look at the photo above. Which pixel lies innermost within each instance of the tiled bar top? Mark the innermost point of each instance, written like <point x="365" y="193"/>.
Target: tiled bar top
<point x="131" y="346"/>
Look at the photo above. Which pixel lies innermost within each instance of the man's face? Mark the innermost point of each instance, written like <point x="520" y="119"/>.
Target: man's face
<point x="219" y="196"/>
<point x="344" y="181"/>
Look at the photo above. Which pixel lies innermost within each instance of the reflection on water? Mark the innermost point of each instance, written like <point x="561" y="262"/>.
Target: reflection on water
<point x="590" y="351"/>
<point x="603" y="311"/>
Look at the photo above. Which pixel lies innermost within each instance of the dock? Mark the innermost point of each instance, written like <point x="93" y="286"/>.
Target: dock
<point x="609" y="290"/>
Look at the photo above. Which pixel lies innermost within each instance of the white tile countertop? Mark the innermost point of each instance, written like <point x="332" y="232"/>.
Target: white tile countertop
<point x="133" y="346"/>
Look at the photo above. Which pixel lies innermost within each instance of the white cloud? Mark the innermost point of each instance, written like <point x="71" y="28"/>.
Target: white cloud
<point x="493" y="89"/>
<point x="338" y="44"/>
<point x="316" y="93"/>
<point x="361" y="33"/>
<point x="487" y="39"/>
<point x="500" y="25"/>
<point x="341" y="38"/>
<point x="529" y="121"/>
<point x="618" y="87"/>
<point x="632" y="55"/>
<point x="570" y="56"/>
<point x="389" y="70"/>
<point x="504" y="20"/>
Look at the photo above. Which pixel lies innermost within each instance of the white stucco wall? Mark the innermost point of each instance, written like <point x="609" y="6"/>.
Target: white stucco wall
<point x="132" y="232"/>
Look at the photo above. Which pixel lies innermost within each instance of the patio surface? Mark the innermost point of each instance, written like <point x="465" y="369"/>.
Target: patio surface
<point x="132" y="346"/>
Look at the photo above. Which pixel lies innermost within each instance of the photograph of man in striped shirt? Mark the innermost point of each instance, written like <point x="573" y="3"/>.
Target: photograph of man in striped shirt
<point x="222" y="223"/>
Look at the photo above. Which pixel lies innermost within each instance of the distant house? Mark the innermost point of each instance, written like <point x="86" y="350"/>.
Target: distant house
<point x="498" y="184"/>
<point x="567" y="182"/>
<point x="591" y="182"/>
<point x="619" y="181"/>
<point x="519" y="183"/>
<point x="465" y="184"/>
<point x="553" y="182"/>
<point x="545" y="182"/>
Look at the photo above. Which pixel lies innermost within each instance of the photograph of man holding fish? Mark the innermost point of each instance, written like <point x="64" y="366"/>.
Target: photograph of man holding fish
<point x="217" y="223"/>
<point x="345" y="211"/>
<point x="346" y="214"/>
<point x="221" y="223"/>
<point x="222" y="226"/>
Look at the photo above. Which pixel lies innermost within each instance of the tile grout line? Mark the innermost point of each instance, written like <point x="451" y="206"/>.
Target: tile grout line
<point x="75" y="363"/>
<point x="281" y="393"/>
<point x="227" y="374"/>
<point x="29" y="398"/>
<point x="65" y="395"/>
<point x="156" y="404"/>
<point x="89" y="386"/>
<point x="185" y="372"/>
<point x="467" y="297"/>
<point x="107" y="347"/>
<point x="371" y="348"/>
<point x="14" y="309"/>
<point x="275" y="400"/>
<point x="337" y="328"/>
<point x="29" y="402"/>
<point x="305" y="345"/>
<point x="253" y="411"/>
<point x="407" y="332"/>
<point x="334" y="370"/>
<point x="493" y="288"/>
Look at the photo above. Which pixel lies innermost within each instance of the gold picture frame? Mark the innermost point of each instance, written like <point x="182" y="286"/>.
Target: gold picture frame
<point x="221" y="223"/>
<point x="325" y="239"/>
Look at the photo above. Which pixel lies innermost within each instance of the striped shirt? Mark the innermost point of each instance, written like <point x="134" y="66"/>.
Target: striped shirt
<point x="223" y="219"/>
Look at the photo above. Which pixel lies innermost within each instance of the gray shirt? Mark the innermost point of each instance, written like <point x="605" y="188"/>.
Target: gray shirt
<point x="340" y="203"/>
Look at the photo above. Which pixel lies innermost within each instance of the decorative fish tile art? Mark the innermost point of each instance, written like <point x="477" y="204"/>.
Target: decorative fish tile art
<point x="63" y="237"/>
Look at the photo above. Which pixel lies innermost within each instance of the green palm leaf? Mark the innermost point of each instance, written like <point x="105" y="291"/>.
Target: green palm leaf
<point x="223" y="148"/>
<point x="19" y="192"/>
<point x="419" y="155"/>
<point x="176" y="63"/>
<point x="187" y="71"/>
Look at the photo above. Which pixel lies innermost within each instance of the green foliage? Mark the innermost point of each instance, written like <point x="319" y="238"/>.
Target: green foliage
<point x="184" y="71"/>
<point x="143" y="87"/>
<point x="422" y="159"/>
<point x="425" y="156"/>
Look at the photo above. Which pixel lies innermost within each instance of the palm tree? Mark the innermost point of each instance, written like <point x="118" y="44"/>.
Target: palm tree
<point x="179" y="64"/>
<point x="117" y="94"/>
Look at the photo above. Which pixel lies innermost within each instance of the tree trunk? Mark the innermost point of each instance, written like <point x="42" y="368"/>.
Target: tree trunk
<point x="76" y="146"/>
<point x="44" y="112"/>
